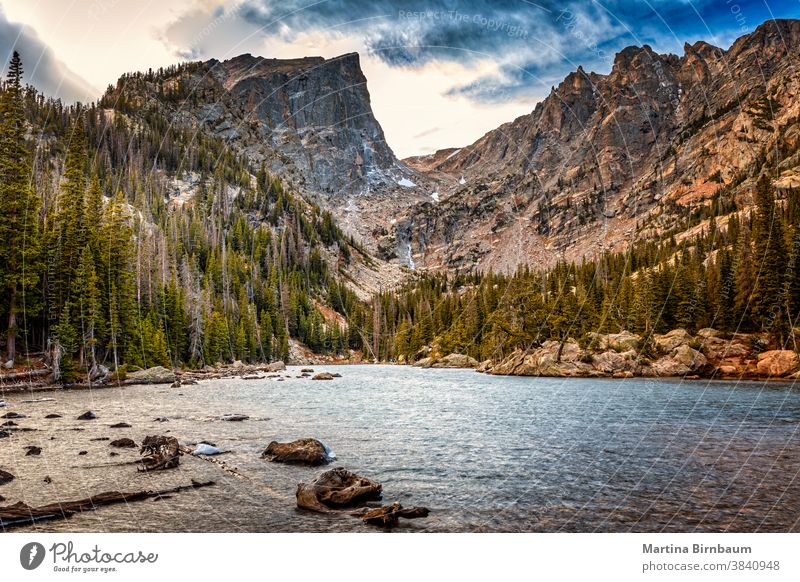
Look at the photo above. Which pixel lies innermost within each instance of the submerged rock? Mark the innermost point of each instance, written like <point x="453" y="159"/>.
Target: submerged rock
<point x="33" y="451"/>
<point x="125" y="443"/>
<point x="88" y="415"/>
<point x="120" y="425"/>
<point x="234" y="417"/>
<point x="54" y="415"/>
<point x="5" y="477"/>
<point x="302" y="451"/>
<point x="337" y="489"/>
<point x="13" y="415"/>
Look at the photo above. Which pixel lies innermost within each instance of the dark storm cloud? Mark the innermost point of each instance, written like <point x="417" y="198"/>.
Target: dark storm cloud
<point x="534" y="44"/>
<point x="42" y="69"/>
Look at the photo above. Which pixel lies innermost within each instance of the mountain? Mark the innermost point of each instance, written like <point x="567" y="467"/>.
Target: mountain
<point x="606" y="160"/>
<point x="307" y="120"/>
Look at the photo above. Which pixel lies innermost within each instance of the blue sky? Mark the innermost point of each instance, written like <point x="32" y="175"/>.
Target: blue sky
<point x="440" y="72"/>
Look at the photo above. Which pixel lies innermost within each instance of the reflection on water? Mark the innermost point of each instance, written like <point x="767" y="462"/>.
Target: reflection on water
<point x="483" y="453"/>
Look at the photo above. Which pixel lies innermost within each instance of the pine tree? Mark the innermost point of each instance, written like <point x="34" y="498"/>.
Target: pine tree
<point x="771" y="260"/>
<point x="19" y="209"/>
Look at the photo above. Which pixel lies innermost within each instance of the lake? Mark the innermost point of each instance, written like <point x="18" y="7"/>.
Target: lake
<point x="484" y="453"/>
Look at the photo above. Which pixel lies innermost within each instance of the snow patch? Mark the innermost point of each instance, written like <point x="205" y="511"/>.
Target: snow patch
<point x="435" y="196"/>
<point x="406" y="183"/>
<point x="461" y="180"/>
<point x="451" y="155"/>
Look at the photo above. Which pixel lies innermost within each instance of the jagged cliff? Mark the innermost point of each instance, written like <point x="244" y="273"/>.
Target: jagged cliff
<point x="605" y="159"/>
<point x="309" y="120"/>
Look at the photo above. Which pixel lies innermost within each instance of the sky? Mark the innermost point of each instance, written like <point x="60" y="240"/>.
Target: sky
<point x="441" y="73"/>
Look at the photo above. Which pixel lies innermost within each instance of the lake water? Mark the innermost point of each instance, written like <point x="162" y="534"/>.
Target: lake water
<point x="484" y="453"/>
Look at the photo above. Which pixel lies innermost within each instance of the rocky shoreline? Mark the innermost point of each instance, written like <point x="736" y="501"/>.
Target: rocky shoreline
<point x="677" y="354"/>
<point x="708" y="354"/>
<point x="40" y="379"/>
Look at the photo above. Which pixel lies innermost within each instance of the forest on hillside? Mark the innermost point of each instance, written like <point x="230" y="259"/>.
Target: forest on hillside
<point x="99" y="269"/>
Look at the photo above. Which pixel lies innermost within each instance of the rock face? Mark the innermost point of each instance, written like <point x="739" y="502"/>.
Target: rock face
<point x="301" y="452"/>
<point x="777" y="363"/>
<point x="309" y="120"/>
<point x="154" y="375"/>
<point x="683" y="360"/>
<point x="605" y="152"/>
<point x="337" y="489"/>
<point x="618" y="356"/>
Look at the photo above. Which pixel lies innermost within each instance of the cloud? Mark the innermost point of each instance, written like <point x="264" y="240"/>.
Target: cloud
<point x="42" y="69"/>
<point x="533" y="43"/>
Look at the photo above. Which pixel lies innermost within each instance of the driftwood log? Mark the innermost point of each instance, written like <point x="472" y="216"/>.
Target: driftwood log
<point x="389" y="515"/>
<point x="22" y="514"/>
<point x="160" y="452"/>
<point x="301" y="452"/>
<point x="337" y="489"/>
<point x="15" y="377"/>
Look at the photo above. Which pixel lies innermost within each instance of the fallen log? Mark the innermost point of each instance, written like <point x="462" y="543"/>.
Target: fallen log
<point x="21" y="513"/>
<point x="221" y="464"/>
<point x="160" y="452"/>
<point x="26" y="375"/>
<point x="336" y="489"/>
<point x="389" y="515"/>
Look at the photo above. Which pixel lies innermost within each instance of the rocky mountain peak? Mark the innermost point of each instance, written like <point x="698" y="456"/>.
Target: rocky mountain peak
<point x="604" y="154"/>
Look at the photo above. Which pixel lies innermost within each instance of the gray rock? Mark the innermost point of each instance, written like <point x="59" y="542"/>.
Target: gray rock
<point x="456" y="361"/>
<point x="154" y="375"/>
<point x="278" y="366"/>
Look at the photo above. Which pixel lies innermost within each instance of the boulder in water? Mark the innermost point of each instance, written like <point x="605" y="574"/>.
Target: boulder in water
<point x="53" y="415"/>
<point x="154" y="375"/>
<point x="323" y="376"/>
<point x="456" y="361"/>
<point x="120" y="425"/>
<point x="33" y="451"/>
<point x="278" y="366"/>
<point x="337" y="489"/>
<point x="88" y="415"/>
<point x="302" y="451"/>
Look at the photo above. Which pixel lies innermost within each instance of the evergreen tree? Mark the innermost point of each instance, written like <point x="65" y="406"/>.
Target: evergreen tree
<point x="19" y="207"/>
